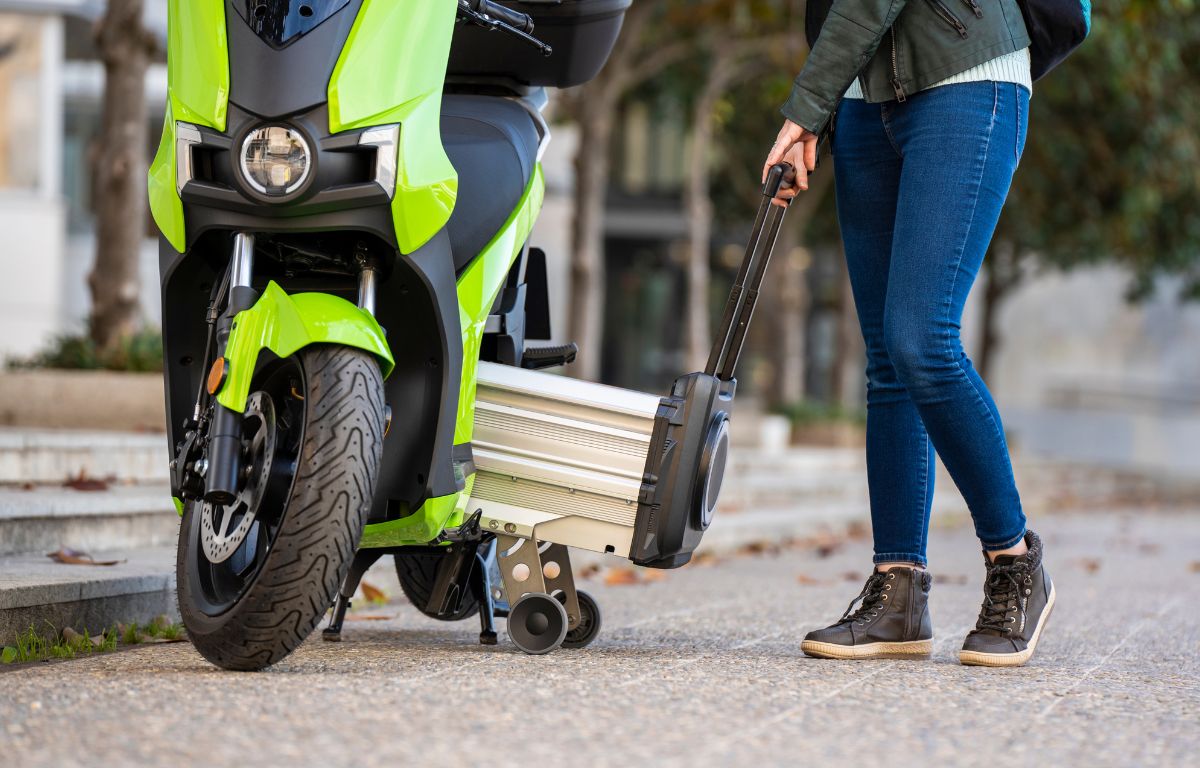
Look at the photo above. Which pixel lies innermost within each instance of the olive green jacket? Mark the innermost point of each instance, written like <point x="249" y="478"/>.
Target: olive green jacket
<point x="896" y="48"/>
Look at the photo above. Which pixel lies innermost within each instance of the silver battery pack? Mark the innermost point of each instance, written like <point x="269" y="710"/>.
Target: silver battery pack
<point x="558" y="459"/>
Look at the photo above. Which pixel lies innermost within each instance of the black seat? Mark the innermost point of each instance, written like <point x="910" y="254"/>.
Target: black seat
<point x="493" y="144"/>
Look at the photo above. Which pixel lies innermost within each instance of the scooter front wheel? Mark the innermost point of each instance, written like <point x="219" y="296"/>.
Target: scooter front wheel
<point x="255" y="577"/>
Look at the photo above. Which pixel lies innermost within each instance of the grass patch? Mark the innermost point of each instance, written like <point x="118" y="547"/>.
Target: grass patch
<point x="31" y="645"/>
<point x="807" y="413"/>
<point x="141" y="352"/>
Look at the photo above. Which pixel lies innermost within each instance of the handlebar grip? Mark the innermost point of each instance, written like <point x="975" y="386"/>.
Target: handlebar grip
<point x="780" y="176"/>
<point x="521" y="21"/>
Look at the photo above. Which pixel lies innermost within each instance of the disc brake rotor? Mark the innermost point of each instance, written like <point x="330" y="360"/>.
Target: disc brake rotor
<point x="223" y="529"/>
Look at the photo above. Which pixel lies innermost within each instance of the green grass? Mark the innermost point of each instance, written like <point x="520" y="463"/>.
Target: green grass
<point x="809" y="413"/>
<point x="140" y="353"/>
<point x="31" y="646"/>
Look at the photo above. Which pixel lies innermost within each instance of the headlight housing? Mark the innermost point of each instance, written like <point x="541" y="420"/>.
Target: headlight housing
<point x="276" y="161"/>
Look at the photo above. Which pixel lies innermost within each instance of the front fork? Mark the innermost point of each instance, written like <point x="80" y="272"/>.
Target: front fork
<point x="225" y="436"/>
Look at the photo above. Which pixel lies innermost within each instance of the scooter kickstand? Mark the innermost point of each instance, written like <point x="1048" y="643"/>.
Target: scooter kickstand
<point x="363" y="560"/>
<point x="483" y="595"/>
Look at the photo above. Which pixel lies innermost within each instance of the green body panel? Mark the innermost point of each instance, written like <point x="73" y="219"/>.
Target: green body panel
<point x="285" y="325"/>
<point x="198" y="74"/>
<point x="165" y="204"/>
<point x="478" y="288"/>
<point x="392" y="70"/>
<point x="198" y="62"/>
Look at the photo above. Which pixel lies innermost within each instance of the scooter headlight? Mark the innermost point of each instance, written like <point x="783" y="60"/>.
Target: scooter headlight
<point x="276" y="161"/>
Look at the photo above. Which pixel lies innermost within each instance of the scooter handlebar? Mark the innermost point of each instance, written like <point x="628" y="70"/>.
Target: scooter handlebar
<point x="516" y="19"/>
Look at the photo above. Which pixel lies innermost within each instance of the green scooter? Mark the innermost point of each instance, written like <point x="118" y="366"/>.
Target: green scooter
<point x="345" y="191"/>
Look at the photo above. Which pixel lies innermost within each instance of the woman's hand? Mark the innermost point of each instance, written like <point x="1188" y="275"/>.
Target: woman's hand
<point x="797" y="146"/>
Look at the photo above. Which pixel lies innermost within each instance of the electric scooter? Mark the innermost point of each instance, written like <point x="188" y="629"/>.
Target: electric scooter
<point x="346" y="191"/>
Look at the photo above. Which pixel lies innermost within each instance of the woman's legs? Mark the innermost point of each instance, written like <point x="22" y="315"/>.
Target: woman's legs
<point x="960" y="144"/>
<point x="899" y="454"/>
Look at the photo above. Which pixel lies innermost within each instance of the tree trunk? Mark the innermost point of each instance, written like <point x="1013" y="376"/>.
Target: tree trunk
<point x="699" y="207"/>
<point x="595" y="120"/>
<point x="849" y="359"/>
<point x="1003" y="275"/>
<point x="119" y="169"/>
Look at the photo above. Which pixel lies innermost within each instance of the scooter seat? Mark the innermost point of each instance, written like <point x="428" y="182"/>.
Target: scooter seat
<point x="493" y="144"/>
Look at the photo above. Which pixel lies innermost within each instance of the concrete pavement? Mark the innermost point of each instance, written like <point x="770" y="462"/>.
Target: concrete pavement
<point x="699" y="668"/>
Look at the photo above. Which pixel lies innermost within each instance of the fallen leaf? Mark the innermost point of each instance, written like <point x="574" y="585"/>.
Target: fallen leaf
<point x="82" y="482"/>
<point x="852" y="576"/>
<point x="71" y="636"/>
<point x="97" y="641"/>
<point x="75" y="557"/>
<point x="759" y="548"/>
<point x="651" y="575"/>
<point x="588" y="571"/>
<point x="807" y="580"/>
<point x="858" y="530"/>
<point x="1195" y="566"/>
<point x="368" y="617"/>
<point x="28" y="486"/>
<point x="704" y="559"/>
<point x="373" y="594"/>
<point x="1090" y="564"/>
<point x="620" y="577"/>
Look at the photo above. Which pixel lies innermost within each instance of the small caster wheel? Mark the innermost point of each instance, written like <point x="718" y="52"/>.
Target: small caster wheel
<point x="589" y="623"/>
<point x="537" y="623"/>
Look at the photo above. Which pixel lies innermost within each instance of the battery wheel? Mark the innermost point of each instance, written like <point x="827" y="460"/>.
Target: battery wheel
<point x="537" y="623"/>
<point x="589" y="623"/>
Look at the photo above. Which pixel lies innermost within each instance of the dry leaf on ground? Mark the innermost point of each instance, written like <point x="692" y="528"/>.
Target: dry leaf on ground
<point x="1090" y="564"/>
<point x="807" y="580"/>
<point x="1195" y="566"/>
<point x="68" y="556"/>
<point x="82" y="482"/>
<point x="588" y="571"/>
<point x="621" y="577"/>
<point x="373" y="594"/>
<point x="368" y="617"/>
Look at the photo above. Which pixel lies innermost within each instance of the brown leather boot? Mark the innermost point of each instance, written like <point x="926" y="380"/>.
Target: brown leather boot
<point x="1017" y="599"/>
<point x="891" y="621"/>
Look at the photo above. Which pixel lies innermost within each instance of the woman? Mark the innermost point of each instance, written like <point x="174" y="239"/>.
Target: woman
<point x="925" y="143"/>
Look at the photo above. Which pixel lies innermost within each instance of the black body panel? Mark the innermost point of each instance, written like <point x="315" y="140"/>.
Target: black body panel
<point x="493" y="144"/>
<point x="279" y="22"/>
<point x="281" y="82"/>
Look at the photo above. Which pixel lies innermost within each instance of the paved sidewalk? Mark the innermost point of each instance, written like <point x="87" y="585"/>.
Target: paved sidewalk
<point x="700" y="668"/>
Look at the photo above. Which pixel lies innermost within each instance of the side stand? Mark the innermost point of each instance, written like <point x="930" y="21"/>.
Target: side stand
<point x="363" y="560"/>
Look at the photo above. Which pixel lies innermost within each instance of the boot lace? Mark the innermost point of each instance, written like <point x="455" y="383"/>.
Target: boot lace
<point x="872" y="598"/>
<point x="1004" y="599"/>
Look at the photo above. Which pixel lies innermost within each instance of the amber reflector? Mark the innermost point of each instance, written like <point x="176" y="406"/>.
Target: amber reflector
<point x="216" y="375"/>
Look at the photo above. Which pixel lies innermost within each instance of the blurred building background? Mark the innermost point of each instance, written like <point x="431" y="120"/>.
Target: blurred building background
<point x="1082" y="373"/>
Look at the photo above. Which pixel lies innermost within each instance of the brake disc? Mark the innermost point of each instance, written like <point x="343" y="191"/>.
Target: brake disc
<point x="223" y="528"/>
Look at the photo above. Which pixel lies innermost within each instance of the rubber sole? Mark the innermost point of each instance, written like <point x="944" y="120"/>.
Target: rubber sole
<point x="913" y="649"/>
<point x="1016" y="658"/>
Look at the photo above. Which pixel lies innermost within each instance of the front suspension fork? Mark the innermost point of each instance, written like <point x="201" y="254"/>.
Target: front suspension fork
<point x="225" y="435"/>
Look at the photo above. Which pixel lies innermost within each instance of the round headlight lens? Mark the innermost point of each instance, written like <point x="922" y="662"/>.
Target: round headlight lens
<point x="276" y="161"/>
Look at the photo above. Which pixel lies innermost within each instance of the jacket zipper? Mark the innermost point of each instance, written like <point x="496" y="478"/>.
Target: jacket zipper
<point x="974" y="6"/>
<point x="949" y="17"/>
<point x="896" y="84"/>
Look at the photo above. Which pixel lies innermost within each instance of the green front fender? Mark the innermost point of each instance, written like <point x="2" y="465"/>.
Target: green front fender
<point x="285" y="325"/>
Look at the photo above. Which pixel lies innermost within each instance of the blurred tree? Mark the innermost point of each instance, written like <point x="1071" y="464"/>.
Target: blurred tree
<point x="1111" y="171"/>
<point x="642" y="52"/>
<point x="119" y="173"/>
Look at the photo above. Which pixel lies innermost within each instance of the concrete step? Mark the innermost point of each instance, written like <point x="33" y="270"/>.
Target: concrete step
<point x="36" y="591"/>
<point x="50" y="456"/>
<point x="44" y="519"/>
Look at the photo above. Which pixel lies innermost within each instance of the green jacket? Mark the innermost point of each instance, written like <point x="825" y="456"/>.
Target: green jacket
<point x="896" y="48"/>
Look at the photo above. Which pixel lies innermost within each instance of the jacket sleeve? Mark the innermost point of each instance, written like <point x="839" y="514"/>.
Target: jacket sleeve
<point x="849" y="38"/>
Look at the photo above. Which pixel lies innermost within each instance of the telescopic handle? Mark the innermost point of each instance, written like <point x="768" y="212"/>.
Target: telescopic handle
<point x="743" y="297"/>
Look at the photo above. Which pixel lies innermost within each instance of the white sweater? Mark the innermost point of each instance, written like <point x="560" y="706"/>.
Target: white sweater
<point x="1010" y="68"/>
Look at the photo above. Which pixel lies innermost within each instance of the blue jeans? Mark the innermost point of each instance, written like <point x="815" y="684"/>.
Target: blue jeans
<point x="920" y="187"/>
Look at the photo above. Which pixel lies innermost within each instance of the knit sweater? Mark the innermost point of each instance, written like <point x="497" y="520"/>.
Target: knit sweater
<point x="1010" y="68"/>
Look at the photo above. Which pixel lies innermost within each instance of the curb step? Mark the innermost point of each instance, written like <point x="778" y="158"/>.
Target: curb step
<point x="46" y="455"/>
<point x="36" y="591"/>
<point x="124" y="517"/>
